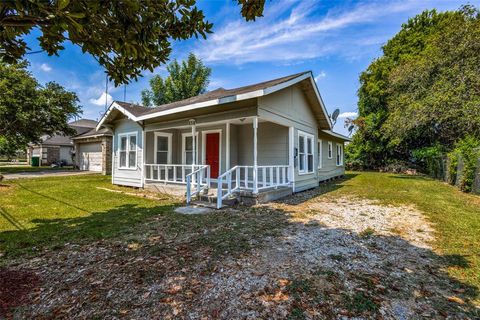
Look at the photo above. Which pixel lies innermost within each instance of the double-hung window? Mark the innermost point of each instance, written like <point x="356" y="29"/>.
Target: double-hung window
<point x="339" y="154"/>
<point x="188" y="149"/>
<point x="319" y="147"/>
<point x="163" y="147"/>
<point x="305" y="152"/>
<point x="128" y="150"/>
<point x="330" y="150"/>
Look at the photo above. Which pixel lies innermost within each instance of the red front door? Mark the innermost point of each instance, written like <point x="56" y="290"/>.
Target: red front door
<point x="212" y="157"/>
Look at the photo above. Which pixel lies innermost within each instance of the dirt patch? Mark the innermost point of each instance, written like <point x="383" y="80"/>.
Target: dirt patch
<point x="341" y="259"/>
<point x="16" y="287"/>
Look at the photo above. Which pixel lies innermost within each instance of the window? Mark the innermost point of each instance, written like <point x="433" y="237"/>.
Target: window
<point x="305" y="152"/>
<point x="330" y="150"/>
<point x="187" y="156"/>
<point x="128" y="150"/>
<point x="163" y="147"/>
<point x="339" y="154"/>
<point x="319" y="146"/>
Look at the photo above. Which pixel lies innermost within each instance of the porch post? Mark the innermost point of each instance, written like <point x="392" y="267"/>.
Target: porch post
<point x="227" y="149"/>
<point x="144" y="152"/>
<point x="291" y="160"/>
<point x="194" y="151"/>
<point x="255" y="164"/>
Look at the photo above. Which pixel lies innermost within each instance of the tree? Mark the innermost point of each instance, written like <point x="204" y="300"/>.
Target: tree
<point x="185" y="80"/>
<point x="29" y="110"/>
<point x="126" y="37"/>
<point x="423" y="92"/>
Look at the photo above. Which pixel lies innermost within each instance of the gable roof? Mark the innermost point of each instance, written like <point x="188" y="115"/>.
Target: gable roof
<point x="214" y="97"/>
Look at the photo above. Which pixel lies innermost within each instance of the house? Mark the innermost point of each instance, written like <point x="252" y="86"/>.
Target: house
<point x="256" y="143"/>
<point x="93" y="150"/>
<point x="88" y="149"/>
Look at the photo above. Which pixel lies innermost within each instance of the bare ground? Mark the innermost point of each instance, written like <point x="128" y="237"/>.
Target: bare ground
<point x="318" y="258"/>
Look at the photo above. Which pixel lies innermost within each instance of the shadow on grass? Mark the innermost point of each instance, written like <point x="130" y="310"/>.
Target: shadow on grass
<point x="172" y="250"/>
<point x="411" y="177"/>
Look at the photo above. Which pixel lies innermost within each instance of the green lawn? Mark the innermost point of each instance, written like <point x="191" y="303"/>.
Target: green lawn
<point x="26" y="168"/>
<point x="455" y="215"/>
<point x="43" y="214"/>
<point x="46" y="213"/>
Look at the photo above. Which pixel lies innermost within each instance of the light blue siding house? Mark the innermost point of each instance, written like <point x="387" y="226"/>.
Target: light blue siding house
<point x="253" y="143"/>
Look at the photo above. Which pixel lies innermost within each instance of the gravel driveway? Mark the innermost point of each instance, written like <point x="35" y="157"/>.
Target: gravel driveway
<point x="337" y="258"/>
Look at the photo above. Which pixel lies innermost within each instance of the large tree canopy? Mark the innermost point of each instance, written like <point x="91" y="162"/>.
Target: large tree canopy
<point x="126" y="37"/>
<point x="424" y="91"/>
<point x="185" y="80"/>
<point x="28" y="110"/>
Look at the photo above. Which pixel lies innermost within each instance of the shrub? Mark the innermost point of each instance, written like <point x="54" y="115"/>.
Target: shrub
<point x="468" y="149"/>
<point x="430" y="160"/>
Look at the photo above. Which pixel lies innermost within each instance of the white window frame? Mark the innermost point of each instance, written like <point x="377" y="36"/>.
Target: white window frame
<point x="339" y="155"/>
<point x="169" y="151"/>
<point x="184" y="137"/>
<point x="127" y="150"/>
<point x="320" y="153"/>
<point x="306" y="136"/>
<point x="330" y="150"/>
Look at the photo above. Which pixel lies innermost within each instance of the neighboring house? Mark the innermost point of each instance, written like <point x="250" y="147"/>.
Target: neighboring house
<point x="84" y="149"/>
<point x="93" y="151"/>
<point x="259" y="142"/>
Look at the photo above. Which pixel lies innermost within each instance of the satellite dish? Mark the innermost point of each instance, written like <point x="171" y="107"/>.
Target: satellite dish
<point x="335" y="115"/>
<point x="350" y="129"/>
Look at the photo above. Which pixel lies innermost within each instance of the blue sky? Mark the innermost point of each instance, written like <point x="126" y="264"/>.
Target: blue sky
<point x="336" y="40"/>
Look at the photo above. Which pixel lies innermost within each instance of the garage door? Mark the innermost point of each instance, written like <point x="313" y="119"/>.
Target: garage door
<point x="90" y="157"/>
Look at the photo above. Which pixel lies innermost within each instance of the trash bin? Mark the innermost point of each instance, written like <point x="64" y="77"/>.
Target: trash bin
<point x="35" y="161"/>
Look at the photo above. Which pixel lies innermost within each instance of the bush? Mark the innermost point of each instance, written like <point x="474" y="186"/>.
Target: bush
<point x="430" y="159"/>
<point x="468" y="149"/>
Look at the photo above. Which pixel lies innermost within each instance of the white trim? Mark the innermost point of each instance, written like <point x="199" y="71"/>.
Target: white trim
<point x="169" y="151"/>
<point x="336" y="135"/>
<point x="184" y="135"/>
<point x="339" y="147"/>
<point x="128" y="135"/>
<point x="204" y="149"/>
<point x="114" y="105"/>
<point x="144" y="153"/>
<point x="305" y="147"/>
<point x="319" y="97"/>
<point x="330" y="150"/>
<point x="320" y="153"/>
<point x="291" y="150"/>
<point x="227" y="146"/>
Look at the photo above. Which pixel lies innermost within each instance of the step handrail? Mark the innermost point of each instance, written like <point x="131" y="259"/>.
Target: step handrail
<point x="228" y="175"/>
<point x="199" y="186"/>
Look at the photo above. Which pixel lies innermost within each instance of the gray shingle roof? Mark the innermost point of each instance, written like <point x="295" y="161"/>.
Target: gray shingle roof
<point x="138" y="110"/>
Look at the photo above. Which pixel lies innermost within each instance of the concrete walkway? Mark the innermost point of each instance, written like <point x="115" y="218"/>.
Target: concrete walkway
<point x="46" y="173"/>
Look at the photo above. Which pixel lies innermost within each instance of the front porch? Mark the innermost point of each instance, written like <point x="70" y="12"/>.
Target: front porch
<point x="247" y="157"/>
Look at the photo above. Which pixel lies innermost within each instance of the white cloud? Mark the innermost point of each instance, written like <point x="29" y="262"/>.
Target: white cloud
<point x="320" y="76"/>
<point x="100" y="101"/>
<point x="349" y="114"/>
<point x="300" y="35"/>
<point x="45" y="67"/>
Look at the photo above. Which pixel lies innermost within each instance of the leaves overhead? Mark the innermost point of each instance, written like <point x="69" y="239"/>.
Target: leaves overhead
<point x="125" y="37"/>
<point x="186" y="79"/>
<point x="28" y="110"/>
<point x="424" y="91"/>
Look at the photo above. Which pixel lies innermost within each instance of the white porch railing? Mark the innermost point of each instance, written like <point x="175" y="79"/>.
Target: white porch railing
<point x="246" y="178"/>
<point x="200" y="180"/>
<point x="169" y="173"/>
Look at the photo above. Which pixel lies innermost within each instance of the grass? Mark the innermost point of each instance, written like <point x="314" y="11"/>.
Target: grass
<point x="26" y="168"/>
<point x="455" y="215"/>
<point x="46" y="213"/>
